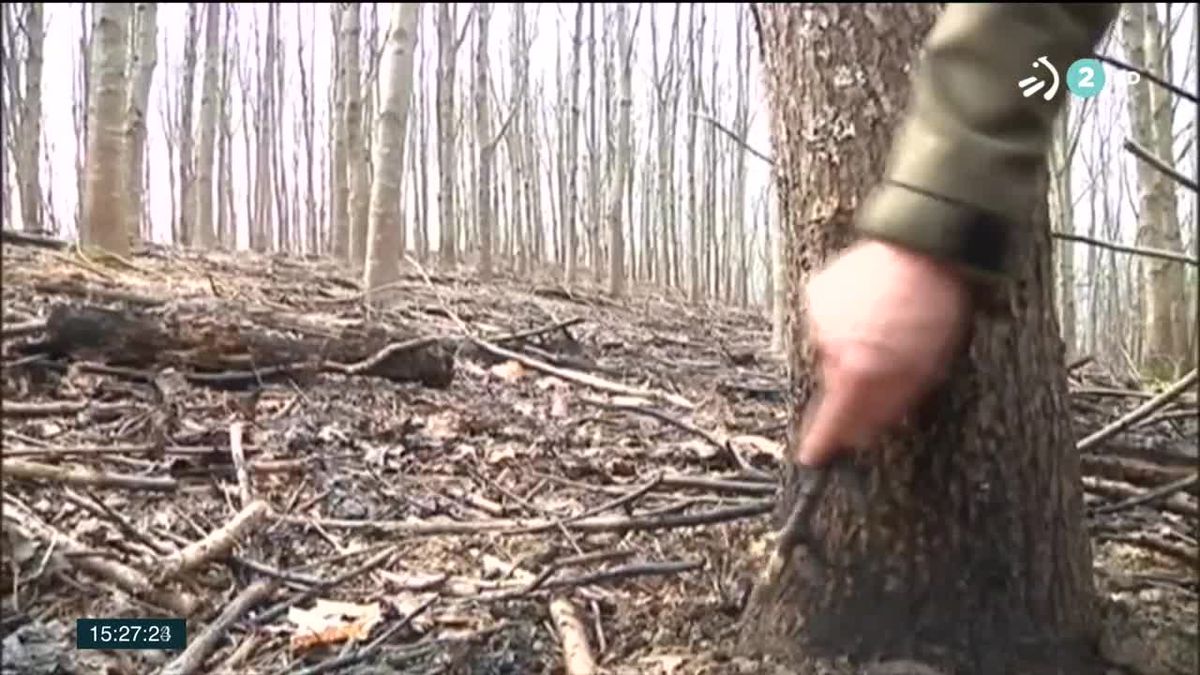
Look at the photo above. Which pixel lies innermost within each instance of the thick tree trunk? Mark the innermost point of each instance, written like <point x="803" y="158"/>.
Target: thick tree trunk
<point x="616" y="237"/>
<point x="104" y="199"/>
<point x="959" y="542"/>
<point x="446" y="136"/>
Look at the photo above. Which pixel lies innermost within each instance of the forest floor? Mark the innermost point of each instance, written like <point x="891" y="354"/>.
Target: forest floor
<point x="236" y="438"/>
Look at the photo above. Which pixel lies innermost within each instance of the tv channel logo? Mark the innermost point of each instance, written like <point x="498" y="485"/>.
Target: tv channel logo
<point x="1085" y="78"/>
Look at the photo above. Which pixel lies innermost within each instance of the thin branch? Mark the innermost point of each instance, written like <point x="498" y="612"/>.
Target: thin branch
<point x="1135" y="250"/>
<point x="1149" y="76"/>
<point x="1148" y="157"/>
<point x="736" y="139"/>
<point x="1139" y="413"/>
<point x="1154" y="495"/>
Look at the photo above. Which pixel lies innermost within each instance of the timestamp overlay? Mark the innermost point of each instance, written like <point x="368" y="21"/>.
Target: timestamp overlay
<point x="132" y="634"/>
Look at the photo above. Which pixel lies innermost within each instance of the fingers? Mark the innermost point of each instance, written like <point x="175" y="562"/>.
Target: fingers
<point x="831" y="427"/>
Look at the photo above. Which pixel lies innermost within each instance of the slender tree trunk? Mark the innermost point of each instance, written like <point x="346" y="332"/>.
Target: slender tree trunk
<point x="616" y="270"/>
<point x="30" y="140"/>
<point x="81" y="109"/>
<point x="105" y="203"/>
<point x="483" y="132"/>
<point x="226" y="222"/>
<point x="1062" y="220"/>
<point x="421" y="156"/>
<point x="447" y="155"/>
<point x="356" y="160"/>
<point x="695" y="64"/>
<point x="341" y="184"/>
<point x="386" y="217"/>
<point x="187" y="175"/>
<point x="571" y="154"/>
<point x="972" y="554"/>
<point x="202" y="232"/>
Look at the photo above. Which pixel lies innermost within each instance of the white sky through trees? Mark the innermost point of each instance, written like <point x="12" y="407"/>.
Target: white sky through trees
<point x="549" y="22"/>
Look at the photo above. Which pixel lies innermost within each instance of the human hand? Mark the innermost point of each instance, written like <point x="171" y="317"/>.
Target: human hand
<point x="885" y="323"/>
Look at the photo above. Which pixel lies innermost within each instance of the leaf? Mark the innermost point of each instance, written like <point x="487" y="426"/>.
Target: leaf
<point x="559" y="406"/>
<point x="509" y="371"/>
<point x="332" y="622"/>
<point x="442" y="426"/>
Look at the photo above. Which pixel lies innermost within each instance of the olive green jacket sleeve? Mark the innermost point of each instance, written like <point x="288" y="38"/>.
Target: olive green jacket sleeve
<point x="963" y="169"/>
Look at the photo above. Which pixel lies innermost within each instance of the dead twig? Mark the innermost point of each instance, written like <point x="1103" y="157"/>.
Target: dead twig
<point x="192" y="658"/>
<point x="419" y="528"/>
<point x="1139" y="413"/>
<point x="23" y="470"/>
<point x="50" y="408"/>
<point x="577" y="656"/>
<point x="1161" y="166"/>
<point x="369" y="650"/>
<point x="583" y="379"/>
<point x="304" y="596"/>
<point x="69" y="552"/>
<point x="217" y="544"/>
<point x="1135" y="250"/>
<point x="1157" y="494"/>
<point x="537" y="332"/>
<point x="380" y="356"/>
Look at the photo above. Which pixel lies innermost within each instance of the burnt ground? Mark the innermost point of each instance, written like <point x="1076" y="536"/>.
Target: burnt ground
<point x="448" y="516"/>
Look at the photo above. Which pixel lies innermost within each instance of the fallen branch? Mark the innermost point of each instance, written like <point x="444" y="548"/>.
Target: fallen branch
<point x="25" y="239"/>
<point x="51" y="408"/>
<point x="612" y="504"/>
<point x="71" y="553"/>
<point x="1135" y="250"/>
<point x="304" y="596"/>
<point x="1157" y="494"/>
<point x="720" y="485"/>
<point x="577" y="377"/>
<point x="192" y="658"/>
<point x="577" y="656"/>
<point x="624" y="572"/>
<point x="370" y="649"/>
<point x="23" y="470"/>
<point x="418" y="528"/>
<point x="1188" y="556"/>
<point x="1139" y="413"/>
<point x="381" y="356"/>
<point x="17" y="330"/>
<point x="1137" y="472"/>
<point x="215" y="545"/>
<point x="723" y="447"/>
<point x="537" y="332"/>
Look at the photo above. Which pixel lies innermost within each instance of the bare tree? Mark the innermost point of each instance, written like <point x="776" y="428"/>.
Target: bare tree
<point x="226" y="223"/>
<point x="486" y="150"/>
<point x="340" y="176"/>
<point x="943" y="554"/>
<point x="386" y="220"/>
<point x="30" y="140"/>
<point x="616" y="271"/>
<point x="447" y="132"/>
<point x="203" y="235"/>
<point x="80" y="107"/>
<point x="572" y="208"/>
<point x="105" y="203"/>
<point x="307" y="128"/>
<point x="695" y="66"/>
<point x="142" y="62"/>
<point x="183" y="232"/>
<point x="355" y="158"/>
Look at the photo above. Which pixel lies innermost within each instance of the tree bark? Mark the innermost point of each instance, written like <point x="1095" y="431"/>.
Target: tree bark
<point x="386" y="219"/>
<point x="203" y="233"/>
<point x="340" y="178"/>
<point x="483" y="134"/>
<point x="187" y="175"/>
<point x="446" y="136"/>
<point x="960" y="541"/>
<point x="30" y="141"/>
<point x="572" y="189"/>
<point x="105" y="204"/>
<point x="359" y="202"/>
<point x="616" y="237"/>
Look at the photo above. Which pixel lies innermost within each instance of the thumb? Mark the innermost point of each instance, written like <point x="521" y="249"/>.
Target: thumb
<point x="831" y="422"/>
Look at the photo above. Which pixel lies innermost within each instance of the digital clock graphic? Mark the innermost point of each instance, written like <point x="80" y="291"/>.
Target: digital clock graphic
<point x="131" y="634"/>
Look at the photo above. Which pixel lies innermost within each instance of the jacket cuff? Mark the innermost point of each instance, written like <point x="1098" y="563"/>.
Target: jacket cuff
<point x="972" y="240"/>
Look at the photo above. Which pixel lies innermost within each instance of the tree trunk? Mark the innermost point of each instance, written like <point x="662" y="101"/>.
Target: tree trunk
<point x="447" y="156"/>
<point x="226" y="222"/>
<point x="571" y="154"/>
<point x="341" y="186"/>
<point x="1062" y="220"/>
<point x="695" y="66"/>
<point x="105" y="206"/>
<point x="30" y="140"/>
<point x="483" y="134"/>
<point x="616" y="237"/>
<point x="1168" y="356"/>
<point x="356" y="161"/>
<point x="959" y="542"/>
<point x="421" y="153"/>
<point x="187" y="175"/>
<point x="386" y="219"/>
<point x="202" y="232"/>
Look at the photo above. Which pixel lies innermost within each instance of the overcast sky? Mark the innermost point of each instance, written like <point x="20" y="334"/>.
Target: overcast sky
<point x="551" y="23"/>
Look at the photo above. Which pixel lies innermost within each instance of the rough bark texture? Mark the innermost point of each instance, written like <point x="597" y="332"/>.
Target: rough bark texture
<point x="959" y="541"/>
<point x="203" y="234"/>
<point x="1062" y="219"/>
<point x="386" y="220"/>
<point x="572" y="189"/>
<point x="105" y="196"/>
